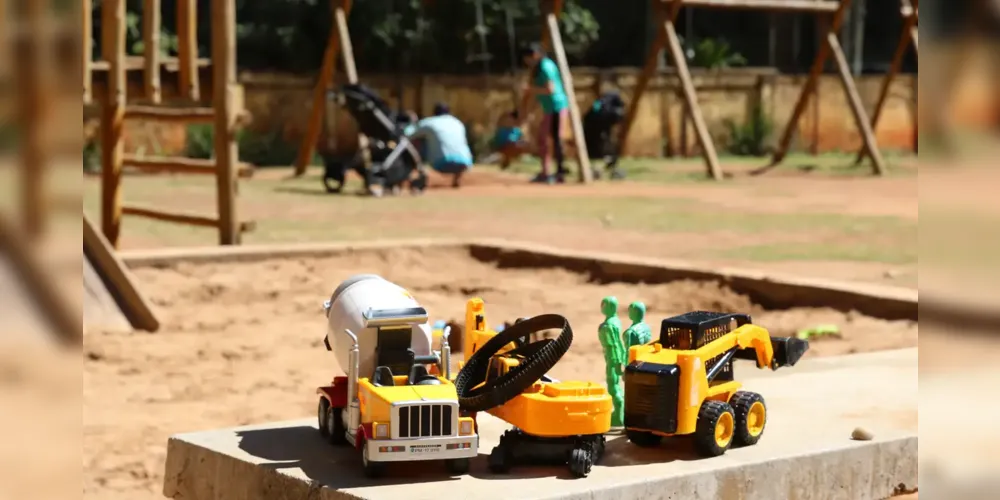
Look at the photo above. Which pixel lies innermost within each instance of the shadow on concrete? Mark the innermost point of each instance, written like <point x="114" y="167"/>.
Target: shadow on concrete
<point x="620" y="452"/>
<point x="617" y="453"/>
<point x="334" y="466"/>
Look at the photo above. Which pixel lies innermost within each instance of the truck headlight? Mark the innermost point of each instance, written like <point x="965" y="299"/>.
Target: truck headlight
<point x="381" y="431"/>
<point x="465" y="427"/>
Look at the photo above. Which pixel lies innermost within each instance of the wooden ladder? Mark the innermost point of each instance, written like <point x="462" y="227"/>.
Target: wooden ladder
<point x="226" y="113"/>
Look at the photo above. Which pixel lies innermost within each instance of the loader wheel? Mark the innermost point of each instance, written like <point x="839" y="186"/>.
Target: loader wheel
<point x="751" y="416"/>
<point x="715" y="428"/>
<point x="322" y="410"/>
<point x="335" y="426"/>
<point x="643" y="439"/>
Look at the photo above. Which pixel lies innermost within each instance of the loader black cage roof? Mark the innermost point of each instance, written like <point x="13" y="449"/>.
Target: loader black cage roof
<point x="696" y="329"/>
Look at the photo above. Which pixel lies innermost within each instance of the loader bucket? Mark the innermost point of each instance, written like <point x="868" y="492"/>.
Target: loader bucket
<point x="788" y="350"/>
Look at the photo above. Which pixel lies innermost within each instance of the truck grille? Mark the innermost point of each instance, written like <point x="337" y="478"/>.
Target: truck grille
<point x="425" y="420"/>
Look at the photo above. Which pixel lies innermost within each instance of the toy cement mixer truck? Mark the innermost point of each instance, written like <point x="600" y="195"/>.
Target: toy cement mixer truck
<point x="389" y="405"/>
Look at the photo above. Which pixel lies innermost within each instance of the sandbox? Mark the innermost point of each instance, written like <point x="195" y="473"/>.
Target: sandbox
<point x="241" y="341"/>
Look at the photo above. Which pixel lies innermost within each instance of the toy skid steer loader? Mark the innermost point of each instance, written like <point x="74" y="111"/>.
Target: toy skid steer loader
<point x="683" y="383"/>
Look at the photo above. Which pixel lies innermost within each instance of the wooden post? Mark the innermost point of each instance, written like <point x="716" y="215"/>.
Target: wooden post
<point x="334" y="48"/>
<point x="187" y="49"/>
<point x="223" y="90"/>
<point x="41" y="285"/>
<point x="112" y="148"/>
<point x="151" y="48"/>
<point x="586" y="174"/>
<point x="647" y="73"/>
<point x="894" y="68"/>
<point x="87" y="43"/>
<point x="691" y="97"/>
<point x="857" y="107"/>
<point x="33" y="84"/>
<point x="817" y="68"/>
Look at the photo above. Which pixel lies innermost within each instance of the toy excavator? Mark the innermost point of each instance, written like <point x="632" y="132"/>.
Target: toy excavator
<point x="683" y="383"/>
<point x="505" y="375"/>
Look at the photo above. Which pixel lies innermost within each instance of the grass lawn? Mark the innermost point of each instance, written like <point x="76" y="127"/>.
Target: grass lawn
<point x="751" y="221"/>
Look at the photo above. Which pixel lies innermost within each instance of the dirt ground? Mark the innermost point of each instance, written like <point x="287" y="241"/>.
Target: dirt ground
<point x="242" y="343"/>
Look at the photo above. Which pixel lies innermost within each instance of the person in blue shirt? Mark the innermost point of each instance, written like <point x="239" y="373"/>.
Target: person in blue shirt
<point x="442" y="143"/>
<point x="547" y="87"/>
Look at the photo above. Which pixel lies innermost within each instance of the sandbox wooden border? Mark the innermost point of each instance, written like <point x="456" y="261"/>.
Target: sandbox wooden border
<point x="770" y="290"/>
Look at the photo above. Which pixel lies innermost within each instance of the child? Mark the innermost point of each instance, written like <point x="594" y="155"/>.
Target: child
<point x="508" y="139"/>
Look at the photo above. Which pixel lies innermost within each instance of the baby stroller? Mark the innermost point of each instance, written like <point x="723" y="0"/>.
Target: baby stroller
<point x="394" y="159"/>
<point x="606" y="112"/>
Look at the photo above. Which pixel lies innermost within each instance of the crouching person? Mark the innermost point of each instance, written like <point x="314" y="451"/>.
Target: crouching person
<point x="442" y="143"/>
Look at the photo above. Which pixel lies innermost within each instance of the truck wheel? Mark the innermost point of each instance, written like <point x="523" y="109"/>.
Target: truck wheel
<point x="581" y="460"/>
<point x="499" y="460"/>
<point x="321" y="415"/>
<point x="457" y="465"/>
<point x="715" y="428"/>
<point x="751" y="415"/>
<point x="644" y="439"/>
<point x="335" y="426"/>
<point x="372" y="469"/>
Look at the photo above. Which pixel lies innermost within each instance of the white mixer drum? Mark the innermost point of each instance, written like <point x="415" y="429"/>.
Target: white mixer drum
<point x="350" y="301"/>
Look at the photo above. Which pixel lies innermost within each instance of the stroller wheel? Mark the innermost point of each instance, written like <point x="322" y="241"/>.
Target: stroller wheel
<point x="418" y="185"/>
<point x="333" y="185"/>
<point x="333" y="175"/>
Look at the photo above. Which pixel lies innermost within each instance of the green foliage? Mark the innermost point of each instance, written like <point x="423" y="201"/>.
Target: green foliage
<point x="200" y="137"/>
<point x="257" y="148"/>
<point x="713" y="53"/>
<point x="91" y="157"/>
<point x="752" y="137"/>
<point x="579" y="29"/>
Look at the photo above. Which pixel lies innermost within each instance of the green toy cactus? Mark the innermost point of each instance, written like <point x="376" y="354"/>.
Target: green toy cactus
<point x="609" y="334"/>
<point x="639" y="333"/>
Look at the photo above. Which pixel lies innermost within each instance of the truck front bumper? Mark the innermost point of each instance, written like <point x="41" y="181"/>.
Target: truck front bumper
<point x="430" y="448"/>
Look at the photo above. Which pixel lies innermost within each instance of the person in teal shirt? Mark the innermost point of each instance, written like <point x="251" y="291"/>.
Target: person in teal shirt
<point x="508" y="139"/>
<point x="442" y="142"/>
<point x="547" y="87"/>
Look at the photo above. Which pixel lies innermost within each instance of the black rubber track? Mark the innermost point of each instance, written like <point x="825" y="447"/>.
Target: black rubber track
<point x="504" y="388"/>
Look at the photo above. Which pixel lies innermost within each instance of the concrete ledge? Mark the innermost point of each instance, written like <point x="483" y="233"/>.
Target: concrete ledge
<point x="767" y="289"/>
<point x="806" y="452"/>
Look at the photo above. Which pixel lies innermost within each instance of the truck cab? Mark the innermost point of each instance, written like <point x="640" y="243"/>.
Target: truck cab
<point x="401" y="411"/>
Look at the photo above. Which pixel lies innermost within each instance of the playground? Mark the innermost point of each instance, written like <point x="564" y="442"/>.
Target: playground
<point x="215" y="271"/>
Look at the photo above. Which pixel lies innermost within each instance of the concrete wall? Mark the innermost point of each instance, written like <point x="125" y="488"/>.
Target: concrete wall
<point x="281" y="102"/>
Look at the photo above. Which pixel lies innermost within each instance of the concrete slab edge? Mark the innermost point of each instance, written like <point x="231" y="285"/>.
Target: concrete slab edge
<point x="866" y="471"/>
<point x="770" y="290"/>
<point x="860" y="471"/>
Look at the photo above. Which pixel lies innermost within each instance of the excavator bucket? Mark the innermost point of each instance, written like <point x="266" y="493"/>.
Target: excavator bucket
<point x="788" y="350"/>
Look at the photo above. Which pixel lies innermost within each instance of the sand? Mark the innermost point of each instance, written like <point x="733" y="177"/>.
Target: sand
<point x="242" y="343"/>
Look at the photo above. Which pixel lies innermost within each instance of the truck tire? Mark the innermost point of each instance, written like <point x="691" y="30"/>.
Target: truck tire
<point x="372" y="469"/>
<point x="457" y="465"/>
<point x="502" y="389"/>
<point x="321" y="417"/>
<point x="751" y="416"/>
<point x="715" y="428"/>
<point x="335" y="426"/>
